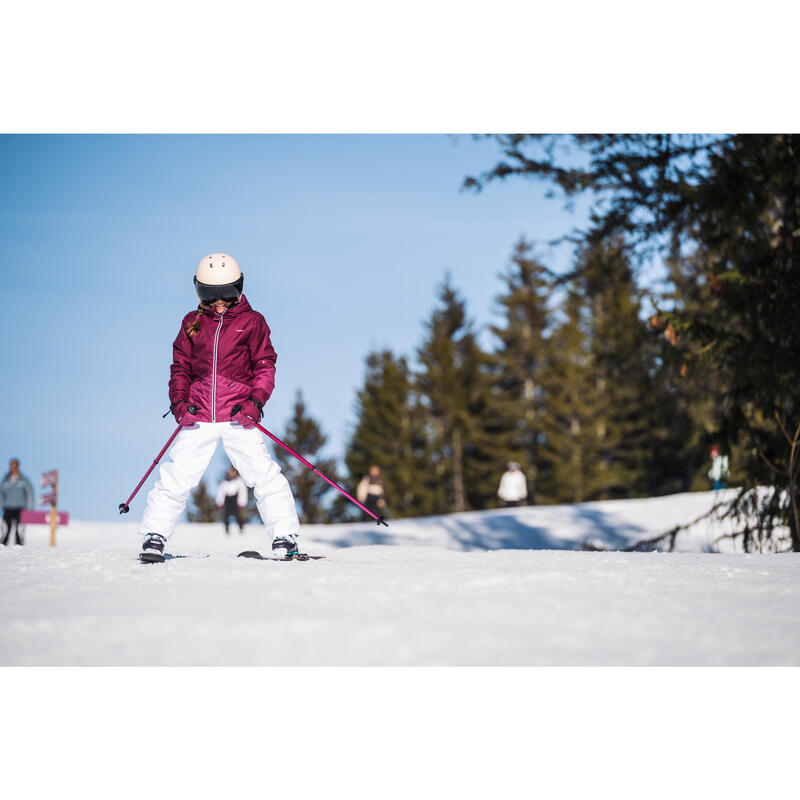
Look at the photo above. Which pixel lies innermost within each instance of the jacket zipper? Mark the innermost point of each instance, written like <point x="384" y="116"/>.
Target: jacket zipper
<point x="214" y="373"/>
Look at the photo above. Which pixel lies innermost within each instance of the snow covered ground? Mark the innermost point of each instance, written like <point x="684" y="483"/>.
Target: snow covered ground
<point x="508" y="587"/>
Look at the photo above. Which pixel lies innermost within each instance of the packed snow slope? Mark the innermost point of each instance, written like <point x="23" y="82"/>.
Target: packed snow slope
<point x="507" y="587"/>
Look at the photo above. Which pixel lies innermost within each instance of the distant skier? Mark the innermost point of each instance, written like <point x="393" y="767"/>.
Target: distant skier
<point x="513" y="487"/>
<point x="232" y="498"/>
<point x="222" y="358"/>
<point x="371" y="491"/>
<point x="718" y="474"/>
<point x="16" y="494"/>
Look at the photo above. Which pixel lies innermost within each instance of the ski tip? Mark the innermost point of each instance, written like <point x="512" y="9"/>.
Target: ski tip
<point x="250" y="554"/>
<point x="294" y="557"/>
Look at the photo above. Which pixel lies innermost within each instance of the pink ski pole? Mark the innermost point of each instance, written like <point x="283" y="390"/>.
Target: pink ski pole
<point x="378" y="520"/>
<point x="124" y="508"/>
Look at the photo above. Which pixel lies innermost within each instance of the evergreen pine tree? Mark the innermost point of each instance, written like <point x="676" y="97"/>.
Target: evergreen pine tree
<point x="304" y="435"/>
<point x="569" y="451"/>
<point x="390" y="432"/>
<point x="621" y="372"/>
<point x="486" y="427"/>
<point x="606" y="419"/>
<point x="690" y="389"/>
<point x="518" y="362"/>
<point x="454" y="384"/>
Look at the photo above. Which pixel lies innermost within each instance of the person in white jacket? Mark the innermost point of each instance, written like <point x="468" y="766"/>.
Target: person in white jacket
<point x="513" y="486"/>
<point x="718" y="474"/>
<point x="232" y="498"/>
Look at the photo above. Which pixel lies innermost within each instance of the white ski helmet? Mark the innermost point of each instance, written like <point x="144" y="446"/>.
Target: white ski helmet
<point x="218" y="277"/>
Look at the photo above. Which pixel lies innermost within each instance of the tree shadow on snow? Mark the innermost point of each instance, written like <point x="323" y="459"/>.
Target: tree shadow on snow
<point x="607" y="532"/>
<point x="359" y="537"/>
<point x="518" y="529"/>
<point x="505" y="531"/>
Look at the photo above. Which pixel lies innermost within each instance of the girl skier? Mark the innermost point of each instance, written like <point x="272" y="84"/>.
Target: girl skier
<point x="222" y="359"/>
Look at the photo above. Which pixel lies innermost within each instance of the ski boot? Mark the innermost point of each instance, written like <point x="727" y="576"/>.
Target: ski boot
<point x="287" y="543"/>
<point x="153" y="548"/>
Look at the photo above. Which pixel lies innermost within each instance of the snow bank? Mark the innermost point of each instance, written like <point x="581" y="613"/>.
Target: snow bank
<point x="607" y="525"/>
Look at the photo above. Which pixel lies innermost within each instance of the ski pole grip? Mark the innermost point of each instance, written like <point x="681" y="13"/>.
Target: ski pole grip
<point x="236" y="409"/>
<point x="192" y="409"/>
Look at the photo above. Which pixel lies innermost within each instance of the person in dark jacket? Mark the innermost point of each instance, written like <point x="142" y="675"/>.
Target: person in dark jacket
<point x="16" y="494"/>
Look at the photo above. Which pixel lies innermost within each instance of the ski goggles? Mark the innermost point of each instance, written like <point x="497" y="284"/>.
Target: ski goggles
<point x="229" y="292"/>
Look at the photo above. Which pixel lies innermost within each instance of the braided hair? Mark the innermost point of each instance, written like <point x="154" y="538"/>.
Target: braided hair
<point x="198" y="320"/>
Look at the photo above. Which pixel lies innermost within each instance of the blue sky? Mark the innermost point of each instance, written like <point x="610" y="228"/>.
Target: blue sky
<point x="343" y="241"/>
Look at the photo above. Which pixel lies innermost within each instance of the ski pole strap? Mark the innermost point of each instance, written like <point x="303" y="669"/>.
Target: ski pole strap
<point x="192" y="409"/>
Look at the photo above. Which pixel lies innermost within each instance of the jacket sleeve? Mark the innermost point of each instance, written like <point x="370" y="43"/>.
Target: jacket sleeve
<point x="31" y="494"/>
<point x="262" y="358"/>
<point x="180" y="371"/>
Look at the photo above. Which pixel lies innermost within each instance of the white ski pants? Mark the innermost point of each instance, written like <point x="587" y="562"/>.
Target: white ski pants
<point x="190" y="456"/>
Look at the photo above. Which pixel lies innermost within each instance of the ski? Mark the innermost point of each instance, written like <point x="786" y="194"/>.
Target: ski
<point x="147" y="558"/>
<point x="293" y="557"/>
<point x="152" y="558"/>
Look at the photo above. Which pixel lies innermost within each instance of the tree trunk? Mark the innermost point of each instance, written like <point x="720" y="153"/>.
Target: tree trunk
<point x="793" y="529"/>
<point x="459" y="499"/>
<point x="577" y="461"/>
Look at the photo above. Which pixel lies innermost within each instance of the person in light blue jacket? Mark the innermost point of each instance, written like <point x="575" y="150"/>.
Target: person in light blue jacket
<point x="16" y="493"/>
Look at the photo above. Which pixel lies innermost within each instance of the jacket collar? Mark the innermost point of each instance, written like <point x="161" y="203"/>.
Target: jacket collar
<point x="233" y="311"/>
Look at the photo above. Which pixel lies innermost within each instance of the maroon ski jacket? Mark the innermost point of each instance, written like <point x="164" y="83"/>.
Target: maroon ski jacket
<point x="228" y="360"/>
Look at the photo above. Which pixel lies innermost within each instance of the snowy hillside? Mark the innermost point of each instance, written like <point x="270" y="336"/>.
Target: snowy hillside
<point x="608" y="525"/>
<point x="502" y="587"/>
